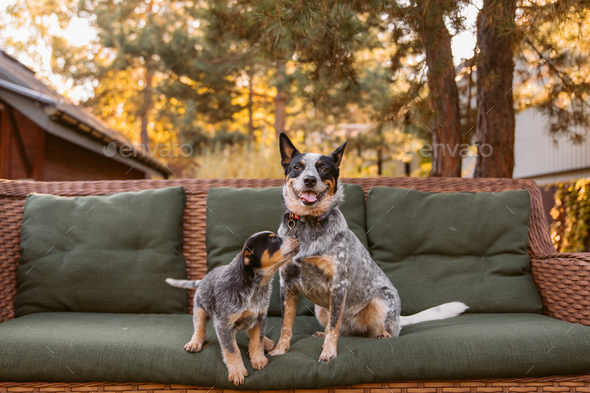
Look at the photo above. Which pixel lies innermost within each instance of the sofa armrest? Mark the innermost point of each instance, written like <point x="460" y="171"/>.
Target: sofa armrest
<point x="563" y="279"/>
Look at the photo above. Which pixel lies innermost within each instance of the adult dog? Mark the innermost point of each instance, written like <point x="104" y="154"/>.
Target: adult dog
<point x="333" y="269"/>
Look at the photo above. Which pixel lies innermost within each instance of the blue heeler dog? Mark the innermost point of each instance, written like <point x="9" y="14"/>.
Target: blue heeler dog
<point x="237" y="296"/>
<point x="333" y="269"/>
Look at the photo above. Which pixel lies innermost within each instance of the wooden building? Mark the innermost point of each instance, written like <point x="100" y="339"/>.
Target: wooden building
<point x="537" y="156"/>
<point x="44" y="136"/>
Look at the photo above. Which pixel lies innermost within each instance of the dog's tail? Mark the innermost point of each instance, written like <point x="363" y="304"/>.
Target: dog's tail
<point x="444" y="311"/>
<point x="183" y="283"/>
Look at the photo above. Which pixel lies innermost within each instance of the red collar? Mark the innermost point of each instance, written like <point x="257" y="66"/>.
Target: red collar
<point x="308" y="218"/>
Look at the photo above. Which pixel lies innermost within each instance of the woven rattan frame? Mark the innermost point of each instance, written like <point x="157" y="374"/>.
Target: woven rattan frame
<point x="563" y="279"/>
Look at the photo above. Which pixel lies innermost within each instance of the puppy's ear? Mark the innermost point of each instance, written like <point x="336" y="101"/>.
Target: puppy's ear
<point x="249" y="258"/>
<point x="288" y="150"/>
<point x="336" y="155"/>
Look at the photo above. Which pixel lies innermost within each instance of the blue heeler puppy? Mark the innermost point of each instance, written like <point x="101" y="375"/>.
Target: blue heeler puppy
<point x="237" y="297"/>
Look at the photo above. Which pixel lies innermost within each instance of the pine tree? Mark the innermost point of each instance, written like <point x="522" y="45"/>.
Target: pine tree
<point x="553" y="60"/>
<point x="324" y="35"/>
<point x="495" y="106"/>
<point x="152" y="71"/>
<point x="546" y="42"/>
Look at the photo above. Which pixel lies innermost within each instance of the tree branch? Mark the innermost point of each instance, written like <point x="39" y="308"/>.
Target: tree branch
<point x="568" y="83"/>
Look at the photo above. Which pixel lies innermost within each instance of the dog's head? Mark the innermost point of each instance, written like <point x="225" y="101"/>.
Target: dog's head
<point x="268" y="251"/>
<point x="311" y="182"/>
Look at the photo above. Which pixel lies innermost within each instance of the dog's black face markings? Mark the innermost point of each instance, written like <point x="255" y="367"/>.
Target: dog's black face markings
<point x="259" y="248"/>
<point x="328" y="171"/>
<point x="296" y="167"/>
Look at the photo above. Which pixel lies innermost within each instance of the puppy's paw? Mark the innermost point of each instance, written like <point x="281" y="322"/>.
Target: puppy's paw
<point x="193" y="347"/>
<point x="259" y="362"/>
<point x="319" y="334"/>
<point x="237" y="374"/>
<point x="268" y="344"/>
<point x="384" y="334"/>
<point x="327" y="355"/>
<point x="280" y="349"/>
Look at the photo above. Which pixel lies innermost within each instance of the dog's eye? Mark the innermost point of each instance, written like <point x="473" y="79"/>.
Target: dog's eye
<point x="297" y="167"/>
<point x="325" y="169"/>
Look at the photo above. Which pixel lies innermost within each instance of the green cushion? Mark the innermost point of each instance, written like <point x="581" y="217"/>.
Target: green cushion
<point x="234" y="214"/>
<point x="108" y="253"/>
<point x="149" y="348"/>
<point x="442" y="247"/>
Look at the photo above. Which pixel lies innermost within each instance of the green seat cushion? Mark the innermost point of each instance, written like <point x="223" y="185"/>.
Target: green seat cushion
<point x="442" y="247"/>
<point x="68" y="347"/>
<point x="234" y="214"/>
<point x="108" y="253"/>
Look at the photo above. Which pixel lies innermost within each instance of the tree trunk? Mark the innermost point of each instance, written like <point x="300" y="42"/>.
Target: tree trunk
<point x="444" y="97"/>
<point x="280" y="101"/>
<point x="251" y="110"/>
<point x="359" y="153"/>
<point x="379" y="161"/>
<point x="470" y="111"/>
<point x="147" y="103"/>
<point x="280" y="111"/>
<point x="495" y="110"/>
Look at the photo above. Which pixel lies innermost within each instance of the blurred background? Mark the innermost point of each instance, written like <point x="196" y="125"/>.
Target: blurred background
<point x="127" y="89"/>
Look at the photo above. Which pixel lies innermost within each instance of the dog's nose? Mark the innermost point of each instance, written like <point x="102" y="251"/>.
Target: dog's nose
<point x="310" y="181"/>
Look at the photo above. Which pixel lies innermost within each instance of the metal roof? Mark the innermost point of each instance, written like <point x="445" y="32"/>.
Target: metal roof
<point x="16" y="78"/>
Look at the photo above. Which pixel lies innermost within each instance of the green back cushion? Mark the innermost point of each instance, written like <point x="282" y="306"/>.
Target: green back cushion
<point x="234" y="214"/>
<point x="108" y="253"/>
<point x="442" y="247"/>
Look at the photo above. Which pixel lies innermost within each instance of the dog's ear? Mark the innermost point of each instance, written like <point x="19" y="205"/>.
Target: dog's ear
<point x="248" y="258"/>
<point x="336" y="155"/>
<point x="288" y="150"/>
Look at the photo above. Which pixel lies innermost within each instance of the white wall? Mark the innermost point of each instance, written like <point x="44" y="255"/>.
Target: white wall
<point x="537" y="157"/>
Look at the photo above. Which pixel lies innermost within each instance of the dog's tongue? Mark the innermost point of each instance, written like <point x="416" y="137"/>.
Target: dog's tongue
<point x="309" y="196"/>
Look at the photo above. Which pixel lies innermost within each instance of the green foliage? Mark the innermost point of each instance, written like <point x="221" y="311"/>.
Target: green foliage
<point x="157" y="47"/>
<point x="571" y="213"/>
<point x="208" y="73"/>
<point x="326" y="37"/>
<point x="552" y="64"/>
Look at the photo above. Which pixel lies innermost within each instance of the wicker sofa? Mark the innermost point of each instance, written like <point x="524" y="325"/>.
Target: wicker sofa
<point x="561" y="278"/>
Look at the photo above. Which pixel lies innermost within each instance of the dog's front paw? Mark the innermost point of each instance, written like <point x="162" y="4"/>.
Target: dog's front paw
<point x="281" y="349"/>
<point x="259" y="362"/>
<point x="327" y="355"/>
<point x="237" y="374"/>
<point x="319" y="334"/>
<point x="268" y="344"/>
<point x="193" y="347"/>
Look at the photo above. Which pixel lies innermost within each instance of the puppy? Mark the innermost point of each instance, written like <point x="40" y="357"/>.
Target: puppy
<point x="237" y="297"/>
<point x="333" y="269"/>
